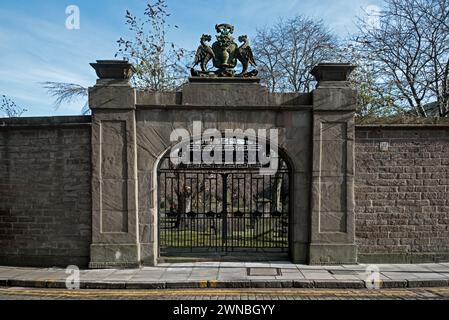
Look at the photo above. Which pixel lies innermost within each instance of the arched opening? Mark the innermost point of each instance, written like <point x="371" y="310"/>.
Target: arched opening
<point x="235" y="207"/>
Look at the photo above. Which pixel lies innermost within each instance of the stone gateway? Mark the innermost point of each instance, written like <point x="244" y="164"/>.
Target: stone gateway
<point x="97" y="191"/>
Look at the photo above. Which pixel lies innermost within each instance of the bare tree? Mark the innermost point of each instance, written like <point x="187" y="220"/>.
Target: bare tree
<point x="410" y="51"/>
<point x="67" y="93"/>
<point x="10" y="108"/>
<point x="159" y="63"/>
<point x="288" y="51"/>
<point x="268" y="57"/>
<point x="374" y="100"/>
<point x="436" y="25"/>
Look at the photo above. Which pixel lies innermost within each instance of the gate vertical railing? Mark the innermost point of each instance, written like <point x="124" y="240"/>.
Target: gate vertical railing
<point x="224" y="178"/>
<point x="244" y="212"/>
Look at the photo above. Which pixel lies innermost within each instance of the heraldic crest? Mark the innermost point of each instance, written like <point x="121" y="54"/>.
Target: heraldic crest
<point x="224" y="54"/>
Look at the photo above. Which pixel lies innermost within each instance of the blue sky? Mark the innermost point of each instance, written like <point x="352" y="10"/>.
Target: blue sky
<point x="36" y="46"/>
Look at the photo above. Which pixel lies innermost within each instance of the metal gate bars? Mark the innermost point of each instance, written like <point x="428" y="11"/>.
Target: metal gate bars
<point x="222" y="209"/>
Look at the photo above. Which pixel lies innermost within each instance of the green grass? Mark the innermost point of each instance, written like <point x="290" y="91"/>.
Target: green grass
<point x="244" y="239"/>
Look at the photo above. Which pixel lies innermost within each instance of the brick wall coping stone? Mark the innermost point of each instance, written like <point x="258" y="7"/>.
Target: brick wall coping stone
<point x="36" y="122"/>
<point x="402" y="126"/>
<point x="86" y="120"/>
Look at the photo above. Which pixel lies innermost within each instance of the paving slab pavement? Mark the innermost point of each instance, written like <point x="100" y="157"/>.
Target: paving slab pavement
<point x="235" y="275"/>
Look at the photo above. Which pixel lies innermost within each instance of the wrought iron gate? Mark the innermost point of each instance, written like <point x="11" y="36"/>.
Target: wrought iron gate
<point x="223" y="209"/>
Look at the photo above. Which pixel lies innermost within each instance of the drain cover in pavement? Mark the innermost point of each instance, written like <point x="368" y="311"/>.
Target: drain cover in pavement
<point x="264" y="272"/>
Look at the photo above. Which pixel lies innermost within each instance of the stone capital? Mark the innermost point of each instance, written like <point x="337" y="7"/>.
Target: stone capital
<point x="332" y="73"/>
<point x="113" y="89"/>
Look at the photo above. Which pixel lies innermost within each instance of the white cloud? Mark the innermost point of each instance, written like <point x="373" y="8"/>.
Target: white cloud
<point x="373" y="16"/>
<point x="35" y="50"/>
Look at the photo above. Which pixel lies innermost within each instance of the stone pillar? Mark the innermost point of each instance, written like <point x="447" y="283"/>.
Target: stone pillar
<point x="115" y="239"/>
<point x="332" y="203"/>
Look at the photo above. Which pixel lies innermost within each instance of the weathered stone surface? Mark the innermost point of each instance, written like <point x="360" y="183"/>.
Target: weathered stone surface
<point x="143" y="285"/>
<point x="303" y="284"/>
<point x="103" y="285"/>
<point x="390" y="284"/>
<point x="233" y="95"/>
<point x="339" y="284"/>
<point x="159" y="99"/>
<point x="182" y="285"/>
<point x="332" y="191"/>
<point x="64" y="184"/>
<point x="45" y="203"/>
<point x="332" y="72"/>
<point x="148" y="250"/>
<point x="112" y="97"/>
<point x="323" y="254"/>
<point x="119" y="255"/>
<point x="422" y="283"/>
<point x="200" y="94"/>
<point x="153" y="140"/>
<point x="402" y="209"/>
<point x="329" y="99"/>
<point x="114" y="178"/>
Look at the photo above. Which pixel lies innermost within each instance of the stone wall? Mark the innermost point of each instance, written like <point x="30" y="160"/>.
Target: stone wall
<point x="83" y="190"/>
<point x="402" y="193"/>
<point x="45" y="191"/>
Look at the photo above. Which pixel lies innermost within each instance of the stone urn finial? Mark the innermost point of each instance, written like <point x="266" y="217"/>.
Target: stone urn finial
<point x="332" y="72"/>
<point x="114" y="69"/>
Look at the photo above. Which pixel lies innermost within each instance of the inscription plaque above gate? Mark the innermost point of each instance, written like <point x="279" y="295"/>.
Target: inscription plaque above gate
<point x="225" y="54"/>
